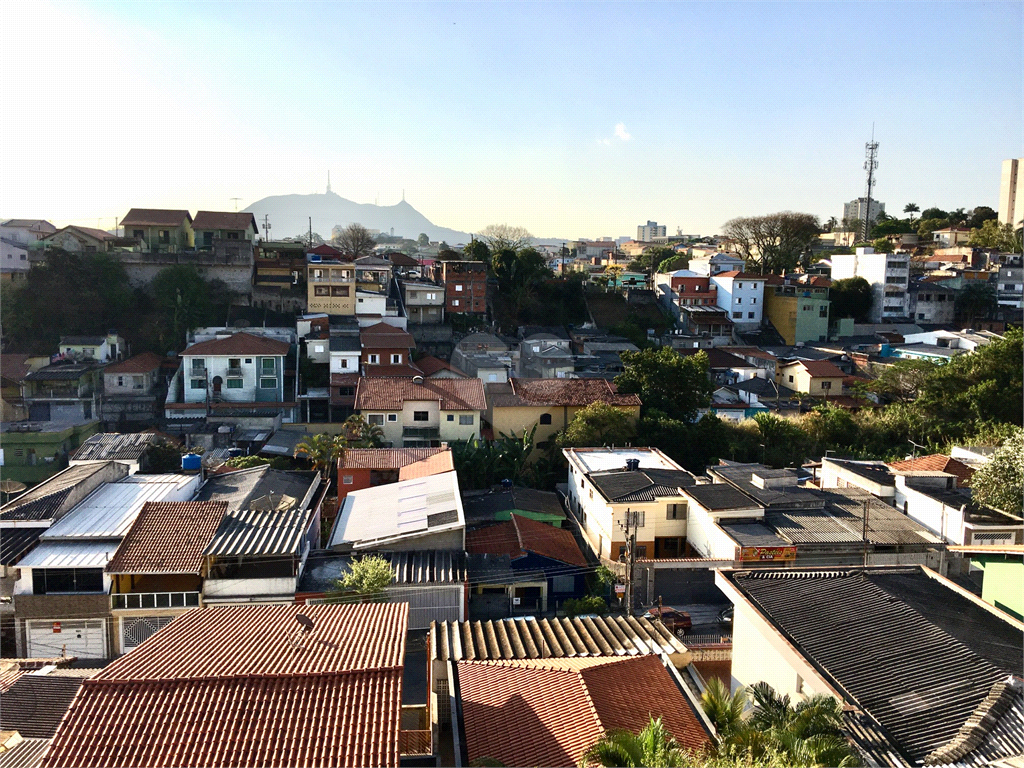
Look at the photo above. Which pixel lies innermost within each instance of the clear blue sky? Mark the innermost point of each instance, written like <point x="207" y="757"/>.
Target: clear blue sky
<point x="571" y="119"/>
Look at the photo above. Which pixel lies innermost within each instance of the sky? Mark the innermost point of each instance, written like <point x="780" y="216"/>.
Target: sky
<point x="570" y="119"/>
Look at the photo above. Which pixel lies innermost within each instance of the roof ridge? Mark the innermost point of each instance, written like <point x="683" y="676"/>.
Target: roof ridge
<point x="328" y="673"/>
<point x="978" y="725"/>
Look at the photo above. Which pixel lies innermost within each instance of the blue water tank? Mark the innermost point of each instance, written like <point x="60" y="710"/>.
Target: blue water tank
<point x="191" y="462"/>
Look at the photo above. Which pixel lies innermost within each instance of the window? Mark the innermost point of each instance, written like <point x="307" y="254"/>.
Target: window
<point x="455" y="302"/>
<point x="451" y="417"/>
<point x="344" y="362"/>
<point x="138" y="234"/>
<point x="54" y="580"/>
<point x="267" y="383"/>
<point x="823" y="310"/>
<point x="545" y="418"/>
<point x="458" y="288"/>
<point x="492" y="377"/>
<point x="750" y="315"/>
<point x="232" y="235"/>
<point x="466" y="421"/>
<point x="318" y="347"/>
<point x="563" y="584"/>
<point x="826" y="385"/>
<point x="198" y="364"/>
<point x="268" y="365"/>
<point x="374" y="359"/>
<point x="248" y="361"/>
<point x="791" y="379"/>
<point x="165" y="236"/>
<point x="234" y="383"/>
<point x="346" y="479"/>
<point x="739" y="286"/>
<point x="198" y="384"/>
<point x="641" y="550"/>
<point x="138" y="382"/>
<point x="340" y="291"/>
<point x="420" y="416"/>
<point x="120" y="381"/>
<point x="676" y="512"/>
<point x="375" y="418"/>
<point x="396" y="359"/>
<point x="739" y="299"/>
<point x="392" y="417"/>
<point x="737" y="315"/>
<point x="753" y="300"/>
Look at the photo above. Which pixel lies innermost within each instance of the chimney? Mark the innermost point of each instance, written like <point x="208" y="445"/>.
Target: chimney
<point x="632" y="465"/>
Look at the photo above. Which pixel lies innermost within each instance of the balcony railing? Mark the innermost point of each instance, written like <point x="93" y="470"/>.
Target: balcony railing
<point x="235" y="373"/>
<point x="141" y="600"/>
<point x="424" y="433"/>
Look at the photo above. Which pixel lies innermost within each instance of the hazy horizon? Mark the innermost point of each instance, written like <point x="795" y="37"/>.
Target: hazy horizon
<point x="572" y="120"/>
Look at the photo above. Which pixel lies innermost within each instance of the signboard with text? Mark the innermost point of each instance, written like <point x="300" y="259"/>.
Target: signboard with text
<point x="782" y="554"/>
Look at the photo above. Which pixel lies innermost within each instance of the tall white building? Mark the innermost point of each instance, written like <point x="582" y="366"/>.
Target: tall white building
<point x="742" y="296"/>
<point x="889" y="275"/>
<point x="1011" y="192"/>
<point x="647" y="233"/>
<point x="855" y="210"/>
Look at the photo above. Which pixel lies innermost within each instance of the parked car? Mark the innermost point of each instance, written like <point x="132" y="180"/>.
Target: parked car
<point x="725" y="615"/>
<point x="675" y="621"/>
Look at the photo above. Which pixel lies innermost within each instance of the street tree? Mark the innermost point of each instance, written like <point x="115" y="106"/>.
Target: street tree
<point x="355" y="241"/>
<point x="506" y="236"/>
<point x="775" y="242"/>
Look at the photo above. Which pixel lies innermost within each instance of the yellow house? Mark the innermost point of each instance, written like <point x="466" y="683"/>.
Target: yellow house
<point x="331" y="287"/>
<point x="818" y="378"/>
<point x="517" y="405"/>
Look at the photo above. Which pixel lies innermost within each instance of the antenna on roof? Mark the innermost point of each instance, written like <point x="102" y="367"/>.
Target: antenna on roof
<point x="297" y="639"/>
<point x="235" y="200"/>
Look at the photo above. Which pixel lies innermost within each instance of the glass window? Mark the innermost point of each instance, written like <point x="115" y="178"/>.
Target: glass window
<point x="268" y="383"/>
<point x="375" y="418"/>
<point x="138" y="382"/>
<point x="321" y="290"/>
<point x="739" y="299"/>
<point x="466" y="421"/>
<point x="120" y="381"/>
<point x="737" y="315"/>
<point x="451" y="417"/>
<point x="339" y="290"/>
<point x="750" y="315"/>
<point x="392" y="417"/>
<point x="346" y="479"/>
<point x="563" y="584"/>
<point x="396" y="359"/>
<point x="198" y="364"/>
<point x="268" y="365"/>
<point x="234" y="384"/>
<point x="420" y="416"/>
<point x="455" y="302"/>
<point x="344" y="362"/>
<point x="374" y="359"/>
<point x="198" y="384"/>
<point x="545" y="418"/>
<point x="458" y="288"/>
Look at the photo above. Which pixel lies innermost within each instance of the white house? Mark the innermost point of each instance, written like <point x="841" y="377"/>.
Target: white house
<point x="950" y="237"/>
<point x="344" y="353"/>
<point x="422" y="413"/>
<point x="742" y="296"/>
<point x="103" y="349"/>
<point x="716" y="263"/>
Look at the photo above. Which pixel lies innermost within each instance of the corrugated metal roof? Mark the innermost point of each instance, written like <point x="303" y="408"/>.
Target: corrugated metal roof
<point x="44" y="500"/>
<point x="531" y="638"/>
<point x="28" y="754"/>
<point x="433" y="567"/>
<point x="373" y="516"/>
<point x="115" y="445"/>
<point x="110" y="510"/>
<point x="15" y="542"/>
<point x="257" y="532"/>
<point x="35" y="704"/>
<point x="70" y="554"/>
<point x="238" y="488"/>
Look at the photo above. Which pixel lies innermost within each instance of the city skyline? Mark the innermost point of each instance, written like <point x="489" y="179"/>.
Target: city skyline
<point x="571" y="120"/>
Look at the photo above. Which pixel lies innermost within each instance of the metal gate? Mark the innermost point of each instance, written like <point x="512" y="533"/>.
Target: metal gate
<point x="136" y="630"/>
<point x="84" y="638"/>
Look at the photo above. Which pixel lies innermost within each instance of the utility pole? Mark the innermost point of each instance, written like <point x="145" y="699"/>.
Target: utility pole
<point x="266" y="226"/>
<point x="869" y="165"/>
<point x="310" y="231"/>
<point x="629" y="525"/>
<point x="916" y="446"/>
<point x="867" y="504"/>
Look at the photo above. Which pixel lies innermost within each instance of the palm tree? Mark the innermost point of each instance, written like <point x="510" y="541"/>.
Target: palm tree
<point x="724" y="709"/>
<point x="831" y="224"/>
<point x="911" y="208"/>
<point x="653" y="747"/>
<point x="323" y="451"/>
<point x="361" y="434"/>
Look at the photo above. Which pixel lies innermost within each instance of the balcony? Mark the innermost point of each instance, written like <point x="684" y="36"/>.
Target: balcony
<point x="235" y="373"/>
<point x="142" y="600"/>
<point x="422" y="433"/>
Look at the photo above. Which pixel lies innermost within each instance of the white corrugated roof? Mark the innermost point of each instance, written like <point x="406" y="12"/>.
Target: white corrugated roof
<point x="110" y="510"/>
<point x="70" y="554"/>
<point x="398" y="509"/>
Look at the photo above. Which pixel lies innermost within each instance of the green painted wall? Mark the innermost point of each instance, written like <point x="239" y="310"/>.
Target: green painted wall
<point x="1003" y="585"/>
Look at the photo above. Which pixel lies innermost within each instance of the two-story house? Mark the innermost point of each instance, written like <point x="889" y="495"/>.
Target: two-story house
<point x="331" y="286"/>
<point x="465" y="286"/>
<point x="218" y="225"/>
<point x="132" y="390"/>
<point x="236" y="369"/>
<point x="17" y="238"/>
<point x="818" y="378"/>
<point x="163" y="231"/>
<point x="606" y="483"/>
<point x="546" y="356"/>
<point x="684" y="288"/>
<point x="486" y="356"/>
<point x="422" y="413"/>
<point x="63" y="391"/>
<point x="102" y="349"/>
<point x="373" y="274"/>
<point x="424" y="302"/>
<point x="384" y="345"/>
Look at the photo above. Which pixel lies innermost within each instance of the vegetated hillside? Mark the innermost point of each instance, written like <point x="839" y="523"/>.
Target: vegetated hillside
<point x="290" y="214"/>
<point x="611" y="311"/>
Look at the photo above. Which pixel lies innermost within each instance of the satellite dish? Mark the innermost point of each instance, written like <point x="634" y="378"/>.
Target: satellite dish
<point x="305" y="621"/>
<point x="12" y="486"/>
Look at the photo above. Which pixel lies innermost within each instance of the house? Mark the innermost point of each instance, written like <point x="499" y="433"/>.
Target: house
<point x="34" y="706"/>
<point x="103" y="349"/>
<point x="1002" y="569"/>
<point x="761" y="391"/>
<point x="260" y="546"/>
<point x="13" y="368"/>
<point x="797" y="311"/>
<point x="871" y="476"/>
<point x="210" y="226"/>
<point x="519" y="405"/>
<point x="608" y="485"/>
<point x="950" y="237"/>
<point x="936" y="462"/>
<point x="498" y="504"/>
<point x="713" y="322"/>
<point x="889" y="275"/>
<point x="436" y="368"/>
<point x="157" y="570"/>
<point x="63" y="576"/>
<point x="133" y="390"/>
<point x="26" y="231"/>
<point x="547" y="564"/>
<point x="163" y="231"/>
<point x="932" y="303"/>
<point x="131" y="449"/>
<point x="84" y="240"/>
<point x="424" y="302"/>
<point x="280" y="277"/>
<point x="363" y="468"/>
<point x="724" y="368"/>
<point x="331" y="286"/>
<point x="336" y="670"/>
<point x="741" y="295"/>
<point x="818" y="378"/>
<point x="684" y="288"/>
<point x="715" y="263"/>
<point x="486" y="356"/>
<point x="465" y="286"/>
<point x="63" y="391"/>
<point x="813" y="631"/>
<point x="432" y="582"/>
<point x="422" y="413"/>
<point x="550" y="711"/>
<point x="384" y="345"/>
<point x="1010" y="283"/>
<point x="417" y="514"/>
<point x="373" y="274"/>
<point x="240" y="369"/>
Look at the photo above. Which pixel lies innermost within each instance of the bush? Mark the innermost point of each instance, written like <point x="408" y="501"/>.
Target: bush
<point x="574" y="607"/>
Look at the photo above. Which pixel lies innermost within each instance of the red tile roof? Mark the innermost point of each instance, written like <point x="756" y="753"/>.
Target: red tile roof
<point x="154" y="217"/>
<point x="387" y="458"/>
<point x="14" y="367"/>
<point x="325" y="250"/>
<point x="523" y="535"/>
<point x="431" y="365"/>
<point x="168" y="537"/>
<point x="819" y="368"/>
<point x="236" y="686"/>
<point x="741" y="275"/>
<point x="239" y="344"/>
<point x="936" y="462"/>
<point x="144" y="363"/>
<point x="550" y="711"/>
<point x="386" y="336"/>
<point x="433" y="465"/>
<point x="390" y="394"/>
<point x="224" y="220"/>
<point x="558" y="392"/>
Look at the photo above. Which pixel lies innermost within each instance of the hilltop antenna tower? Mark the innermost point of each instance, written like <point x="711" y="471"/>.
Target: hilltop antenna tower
<point x="328" y="182"/>
<point x="266" y="226"/>
<point x="870" y="164"/>
<point x="235" y="200"/>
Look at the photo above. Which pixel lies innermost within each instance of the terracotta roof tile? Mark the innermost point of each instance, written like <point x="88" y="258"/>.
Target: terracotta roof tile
<point x="557" y="392"/>
<point x="14" y="367"/>
<point x="35" y="704"/>
<point x="523" y="535"/>
<point x="239" y="344"/>
<point x="820" y="368"/>
<point x="431" y="365"/>
<point x="154" y="217"/>
<point x="223" y="220"/>
<point x="390" y="394"/>
<point x="144" y="363"/>
<point x="550" y="711"/>
<point x="937" y="462"/>
<point x="168" y="537"/>
<point x="741" y="275"/>
<point x="387" y="336"/>
<point x="433" y="465"/>
<point x="386" y="458"/>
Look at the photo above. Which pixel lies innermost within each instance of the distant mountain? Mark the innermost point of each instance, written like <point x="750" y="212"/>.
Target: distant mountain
<point x="290" y="214"/>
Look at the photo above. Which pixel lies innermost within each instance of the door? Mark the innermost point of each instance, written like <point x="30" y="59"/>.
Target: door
<point x="218" y="382"/>
<point x="84" y="638"/>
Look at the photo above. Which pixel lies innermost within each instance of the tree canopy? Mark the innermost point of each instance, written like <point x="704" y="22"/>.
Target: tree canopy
<point x="851" y="297"/>
<point x="323" y="451"/>
<point x="355" y="241"/>
<point x="775" y="242"/>
<point x="598" y="424"/>
<point x="991" y="234"/>
<point x="505" y="236"/>
<point x="665" y="380"/>
<point x="1000" y="482"/>
<point x="367" y="578"/>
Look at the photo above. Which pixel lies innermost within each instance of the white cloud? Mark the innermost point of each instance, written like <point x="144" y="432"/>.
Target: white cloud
<point x="620" y="132"/>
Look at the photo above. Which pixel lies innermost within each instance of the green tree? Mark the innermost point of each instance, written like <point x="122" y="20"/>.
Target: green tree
<point x="673" y="263"/>
<point x="724" y="709"/>
<point x="882" y="245"/>
<point x="1000" y="482"/>
<point x="582" y="606"/>
<point x="653" y="747"/>
<point x="367" y="579"/>
<point x="163" y="457"/>
<point x="934" y="213"/>
<point x="911" y="209"/>
<point x="598" y="424"/>
<point x="991" y="234"/>
<point x="776" y="242"/>
<point x="477" y="250"/>
<point x="647" y="261"/>
<point x="891" y="227"/>
<point x="181" y="293"/>
<point x="783" y="441"/>
<point x="902" y="381"/>
<point x="831" y="427"/>
<point x="926" y="225"/>
<point x="423" y="241"/>
<point x="323" y="451"/>
<point x="980" y="215"/>
<point x="976" y="300"/>
<point x="665" y="380"/>
<point x="359" y="433"/>
<point x="851" y="297"/>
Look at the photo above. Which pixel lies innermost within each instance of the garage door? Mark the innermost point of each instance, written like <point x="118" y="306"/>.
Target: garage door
<point x="84" y="638"/>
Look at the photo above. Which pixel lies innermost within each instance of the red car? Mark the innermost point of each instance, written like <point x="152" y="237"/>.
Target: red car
<point x="676" y="622"/>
